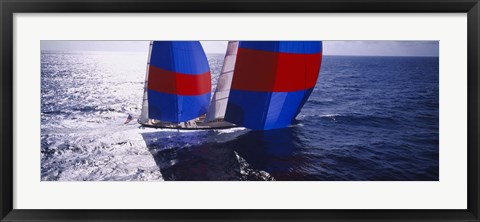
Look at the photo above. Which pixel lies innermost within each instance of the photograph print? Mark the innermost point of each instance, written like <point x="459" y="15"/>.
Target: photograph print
<point x="239" y="110"/>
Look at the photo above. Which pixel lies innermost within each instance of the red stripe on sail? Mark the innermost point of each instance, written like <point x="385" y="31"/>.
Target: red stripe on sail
<point x="313" y="71"/>
<point x="165" y="81"/>
<point x="262" y="71"/>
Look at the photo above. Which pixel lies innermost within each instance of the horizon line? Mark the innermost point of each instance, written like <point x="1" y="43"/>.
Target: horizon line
<point x="352" y="55"/>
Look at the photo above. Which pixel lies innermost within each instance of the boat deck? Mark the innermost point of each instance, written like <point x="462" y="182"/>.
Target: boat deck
<point x="198" y="124"/>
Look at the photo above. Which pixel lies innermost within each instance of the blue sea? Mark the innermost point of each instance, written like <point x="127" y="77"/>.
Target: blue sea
<point x="368" y="119"/>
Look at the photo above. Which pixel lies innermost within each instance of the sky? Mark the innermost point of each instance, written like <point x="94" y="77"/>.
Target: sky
<point x="358" y="48"/>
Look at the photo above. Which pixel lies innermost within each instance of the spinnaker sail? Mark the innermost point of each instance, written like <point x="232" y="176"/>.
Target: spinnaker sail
<point x="178" y="84"/>
<point x="218" y="106"/>
<point x="272" y="82"/>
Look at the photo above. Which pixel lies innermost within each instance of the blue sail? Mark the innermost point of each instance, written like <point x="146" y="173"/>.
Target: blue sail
<point x="271" y="82"/>
<point x="179" y="84"/>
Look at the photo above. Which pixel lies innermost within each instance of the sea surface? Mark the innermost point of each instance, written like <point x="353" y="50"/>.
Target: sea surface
<point x="368" y="119"/>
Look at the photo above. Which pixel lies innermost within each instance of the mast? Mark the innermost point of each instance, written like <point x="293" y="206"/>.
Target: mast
<point x="144" y="115"/>
<point x="219" y="101"/>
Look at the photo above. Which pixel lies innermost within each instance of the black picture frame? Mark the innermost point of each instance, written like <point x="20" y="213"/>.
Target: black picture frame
<point x="9" y="7"/>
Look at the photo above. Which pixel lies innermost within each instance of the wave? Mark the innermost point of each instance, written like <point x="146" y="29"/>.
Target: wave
<point x="366" y="119"/>
<point x="322" y="102"/>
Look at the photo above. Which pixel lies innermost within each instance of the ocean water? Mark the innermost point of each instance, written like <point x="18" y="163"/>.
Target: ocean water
<point x="368" y="119"/>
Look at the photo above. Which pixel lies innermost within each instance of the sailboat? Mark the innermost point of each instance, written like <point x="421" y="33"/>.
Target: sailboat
<point x="262" y="85"/>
